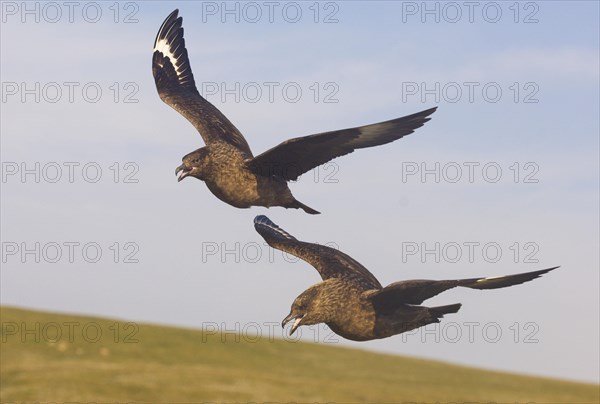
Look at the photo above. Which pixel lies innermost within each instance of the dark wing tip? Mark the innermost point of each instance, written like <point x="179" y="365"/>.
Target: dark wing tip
<point x="541" y="272"/>
<point x="496" y="282"/>
<point x="266" y="228"/>
<point x="545" y="271"/>
<point x="262" y="219"/>
<point x="166" y="25"/>
<point x="537" y="274"/>
<point x="420" y="118"/>
<point x="428" y="112"/>
<point x="388" y="131"/>
<point x="170" y="63"/>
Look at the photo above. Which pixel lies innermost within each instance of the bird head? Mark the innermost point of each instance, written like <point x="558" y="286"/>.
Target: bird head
<point x="311" y="307"/>
<point x="194" y="164"/>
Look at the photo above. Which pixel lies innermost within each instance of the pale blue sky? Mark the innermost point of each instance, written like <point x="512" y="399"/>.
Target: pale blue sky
<point x="372" y="57"/>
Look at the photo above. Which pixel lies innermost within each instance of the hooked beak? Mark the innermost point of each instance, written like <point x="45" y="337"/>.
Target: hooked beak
<point x="296" y="324"/>
<point x="181" y="172"/>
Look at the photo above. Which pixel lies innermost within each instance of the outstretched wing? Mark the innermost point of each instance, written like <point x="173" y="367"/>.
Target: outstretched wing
<point x="296" y="156"/>
<point x="176" y="87"/>
<point x="329" y="262"/>
<point x="419" y="290"/>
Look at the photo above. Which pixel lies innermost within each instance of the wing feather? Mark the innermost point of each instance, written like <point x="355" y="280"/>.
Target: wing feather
<point x="296" y="156"/>
<point x="329" y="262"/>
<point x="418" y="290"/>
<point x="176" y="87"/>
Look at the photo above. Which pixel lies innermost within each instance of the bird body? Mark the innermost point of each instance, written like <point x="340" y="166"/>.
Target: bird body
<point x="347" y="309"/>
<point x="356" y="321"/>
<point x="353" y="303"/>
<point x="231" y="172"/>
<point x="222" y="168"/>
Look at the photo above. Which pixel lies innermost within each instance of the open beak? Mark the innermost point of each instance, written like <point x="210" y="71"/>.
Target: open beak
<point x="181" y="172"/>
<point x="297" y="319"/>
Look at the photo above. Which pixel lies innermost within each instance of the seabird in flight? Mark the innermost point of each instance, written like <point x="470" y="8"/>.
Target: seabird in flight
<point x="353" y="303"/>
<point x="226" y="164"/>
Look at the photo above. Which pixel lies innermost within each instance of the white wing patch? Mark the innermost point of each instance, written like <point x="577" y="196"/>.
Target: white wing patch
<point x="278" y="230"/>
<point x="490" y="278"/>
<point x="376" y="129"/>
<point x="165" y="48"/>
<point x="282" y="232"/>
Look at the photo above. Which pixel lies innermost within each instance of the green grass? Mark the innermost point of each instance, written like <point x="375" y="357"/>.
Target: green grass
<point x="175" y="365"/>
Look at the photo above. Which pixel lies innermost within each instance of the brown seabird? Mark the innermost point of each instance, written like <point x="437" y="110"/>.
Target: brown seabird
<point x="353" y="303"/>
<point x="226" y="164"/>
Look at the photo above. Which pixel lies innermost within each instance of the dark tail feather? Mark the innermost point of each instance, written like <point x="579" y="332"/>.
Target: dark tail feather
<point x="299" y="205"/>
<point x="439" y="311"/>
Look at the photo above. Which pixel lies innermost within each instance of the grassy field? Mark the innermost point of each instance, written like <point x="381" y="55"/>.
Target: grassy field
<point x="180" y="365"/>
